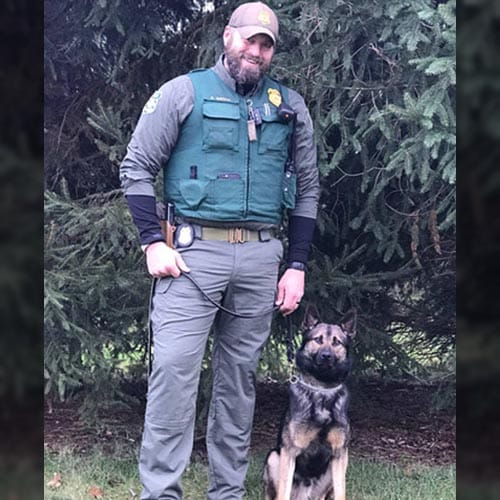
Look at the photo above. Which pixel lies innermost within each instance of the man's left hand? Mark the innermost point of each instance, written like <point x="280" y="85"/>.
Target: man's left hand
<point x="290" y="291"/>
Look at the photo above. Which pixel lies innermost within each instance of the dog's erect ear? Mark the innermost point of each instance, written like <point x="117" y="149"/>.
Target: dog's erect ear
<point x="311" y="317"/>
<point x="348" y="322"/>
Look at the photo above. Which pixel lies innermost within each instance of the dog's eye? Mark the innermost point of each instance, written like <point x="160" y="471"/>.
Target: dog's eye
<point x="318" y="340"/>
<point x="335" y="341"/>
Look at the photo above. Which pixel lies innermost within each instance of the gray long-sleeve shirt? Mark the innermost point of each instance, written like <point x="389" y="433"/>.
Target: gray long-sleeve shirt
<point x="158" y="128"/>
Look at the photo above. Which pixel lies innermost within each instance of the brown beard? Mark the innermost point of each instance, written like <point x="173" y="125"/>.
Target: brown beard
<point x="243" y="76"/>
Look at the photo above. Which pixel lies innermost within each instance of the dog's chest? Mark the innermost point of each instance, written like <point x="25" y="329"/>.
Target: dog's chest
<point x="323" y="408"/>
<point x="317" y="421"/>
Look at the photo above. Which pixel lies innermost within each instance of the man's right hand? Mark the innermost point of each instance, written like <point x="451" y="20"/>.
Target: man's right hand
<point x="164" y="261"/>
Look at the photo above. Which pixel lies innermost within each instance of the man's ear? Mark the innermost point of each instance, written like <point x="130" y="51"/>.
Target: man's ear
<point x="311" y="317"/>
<point x="226" y="35"/>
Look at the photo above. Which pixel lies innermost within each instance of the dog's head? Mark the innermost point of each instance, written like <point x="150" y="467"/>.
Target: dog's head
<point x="324" y="352"/>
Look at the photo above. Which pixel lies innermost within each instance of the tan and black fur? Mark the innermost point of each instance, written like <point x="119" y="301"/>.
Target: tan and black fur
<point x="310" y="462"/>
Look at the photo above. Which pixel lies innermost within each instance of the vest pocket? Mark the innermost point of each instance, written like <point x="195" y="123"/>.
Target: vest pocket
<point x="220" y="125"/>
<point x="193" y="191"/>
<point x="163" y="284"/>
<point x="274" y="135"/>
<point x="230" y="194"/>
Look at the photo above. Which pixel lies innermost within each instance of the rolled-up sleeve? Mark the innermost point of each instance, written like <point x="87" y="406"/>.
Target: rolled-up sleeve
<point x="306" y="167"/>
<point x="155" y="136"/>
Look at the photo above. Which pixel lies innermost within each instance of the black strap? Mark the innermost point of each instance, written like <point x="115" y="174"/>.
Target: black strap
<point x="222" y="308"/>
<point x="212" y="301"/>
<point x="290" y="350"/>
<point x="150" y="327"/>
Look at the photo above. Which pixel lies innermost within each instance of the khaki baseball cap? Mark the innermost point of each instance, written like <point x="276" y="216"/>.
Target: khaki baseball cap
<point x="255" y="17"/>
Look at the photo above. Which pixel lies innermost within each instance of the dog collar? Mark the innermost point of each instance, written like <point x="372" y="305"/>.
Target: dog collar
<point x="324" y="390"/>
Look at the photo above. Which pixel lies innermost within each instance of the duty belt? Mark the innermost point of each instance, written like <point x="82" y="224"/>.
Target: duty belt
<point x="231" y="234"/>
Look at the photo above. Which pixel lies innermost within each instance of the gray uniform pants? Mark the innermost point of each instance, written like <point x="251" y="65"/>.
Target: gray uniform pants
<point x="243" y="277"/>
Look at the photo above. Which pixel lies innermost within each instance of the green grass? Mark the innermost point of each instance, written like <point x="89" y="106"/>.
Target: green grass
<point x="117" y="476"/>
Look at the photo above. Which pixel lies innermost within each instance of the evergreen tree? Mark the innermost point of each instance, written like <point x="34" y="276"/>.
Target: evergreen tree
<point x="379" y="80"/>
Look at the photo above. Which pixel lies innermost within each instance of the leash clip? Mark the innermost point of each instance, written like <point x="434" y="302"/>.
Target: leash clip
<point x="292" y="372"/>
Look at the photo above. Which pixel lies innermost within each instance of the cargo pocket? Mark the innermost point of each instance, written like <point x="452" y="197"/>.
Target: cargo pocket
<point x="274" y="135"/>
<point x="163" y="284"/>
<point x="193" y="191"/>
<point x="230" y="193"/>
<point x="159" y="302"/>
<point x="220" y="125"/>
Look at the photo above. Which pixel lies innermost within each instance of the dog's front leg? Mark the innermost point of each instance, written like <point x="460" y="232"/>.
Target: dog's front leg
<point x="287" y="469"/>
<point x="337" y="437"/>
<point x="339" y="469"/>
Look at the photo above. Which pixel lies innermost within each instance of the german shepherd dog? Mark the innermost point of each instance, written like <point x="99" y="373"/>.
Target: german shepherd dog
<point x="310" y="462"/>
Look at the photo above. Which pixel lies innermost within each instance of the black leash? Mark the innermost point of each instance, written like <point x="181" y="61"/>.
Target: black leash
<point x="150" y="327"/>
<point x="290" y="349"/>
<point x="220" y="307"/>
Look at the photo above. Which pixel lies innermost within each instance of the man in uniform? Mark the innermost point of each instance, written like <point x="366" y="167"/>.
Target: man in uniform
<point x="236" y="149"/>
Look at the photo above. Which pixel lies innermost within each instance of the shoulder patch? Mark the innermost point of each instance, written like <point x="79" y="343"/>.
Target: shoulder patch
<point x="150" y="106"/>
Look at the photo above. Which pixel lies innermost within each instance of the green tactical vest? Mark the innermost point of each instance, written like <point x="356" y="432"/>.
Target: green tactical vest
<point x="215" y="172"/>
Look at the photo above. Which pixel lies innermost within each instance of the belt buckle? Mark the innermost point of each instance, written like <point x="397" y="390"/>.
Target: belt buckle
<point x="235" y="235"/>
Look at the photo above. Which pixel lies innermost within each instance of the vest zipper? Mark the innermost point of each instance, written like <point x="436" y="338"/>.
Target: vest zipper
<point x="248" y="181"/>
<point x="247" y="194"/>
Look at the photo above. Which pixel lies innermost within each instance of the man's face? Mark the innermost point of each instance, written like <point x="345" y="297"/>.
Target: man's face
<point x="247" y="59"/>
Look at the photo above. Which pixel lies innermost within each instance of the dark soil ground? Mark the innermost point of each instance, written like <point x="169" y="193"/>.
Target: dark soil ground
<point x="391" y="422"/>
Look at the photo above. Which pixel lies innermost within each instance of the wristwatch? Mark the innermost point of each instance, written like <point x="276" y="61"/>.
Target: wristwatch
<point x="300" y="266"/>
